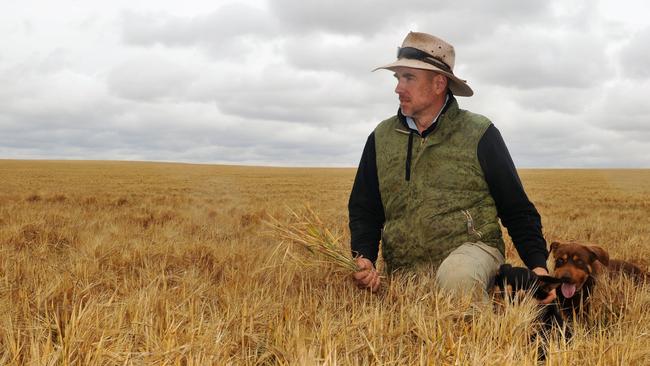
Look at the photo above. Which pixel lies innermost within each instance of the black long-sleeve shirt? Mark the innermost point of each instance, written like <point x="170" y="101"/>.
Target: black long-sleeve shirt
<point x="517" y="213"/>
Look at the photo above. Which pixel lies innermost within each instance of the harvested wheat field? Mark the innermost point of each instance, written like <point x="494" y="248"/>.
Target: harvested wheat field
<point x="175" y="264"/>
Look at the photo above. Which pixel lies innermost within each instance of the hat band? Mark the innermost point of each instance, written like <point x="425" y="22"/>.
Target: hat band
<point x="416" y="54"/>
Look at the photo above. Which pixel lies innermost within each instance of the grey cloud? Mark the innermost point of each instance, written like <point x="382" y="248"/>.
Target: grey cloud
<point x="61" y="98"/>
<point x="64" y="112"/>
<point x="568" y="142"/>
<point x="233" y="29"/>
<point x="635" y="57"/>
<point x="550" y="138"/>
<point x="602" y="135"/>
<point x="530" y="59"/>
<point x="185" y="131"/>
<point x="353" y="56"/>
<point x="280" y="93"/>
<point x="571" y="101"/>
<point x="308" y="146"/>
<point x="150" y="78"/>
<point x="337" y="16"/>
<point x="348" y="54"/>
<point x="225" y="32"/>
<point x="368" y="17"/>
<point x="624" y="110"/>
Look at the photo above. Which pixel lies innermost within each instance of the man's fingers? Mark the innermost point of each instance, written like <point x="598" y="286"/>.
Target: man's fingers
<point x="366" y="278"/>
<point x="358" y="276"/>
<point x="363" y="263"/>
<point x="363" y="275"/>
<point x="374" y="285"/>
<point x="369" y="275"/>
<point x="549" y="299"/>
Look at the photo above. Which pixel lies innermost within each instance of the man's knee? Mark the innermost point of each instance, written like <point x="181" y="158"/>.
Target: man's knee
<point x="469" y="268"/>
<point x="460" y="279"/>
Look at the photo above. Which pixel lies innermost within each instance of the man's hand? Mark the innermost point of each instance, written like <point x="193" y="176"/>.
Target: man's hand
<point x="551" y="295"/>
<point x="366" y="276"/>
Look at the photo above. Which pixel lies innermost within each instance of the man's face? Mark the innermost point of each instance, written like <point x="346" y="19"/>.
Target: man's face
<point x="418" y="90"/>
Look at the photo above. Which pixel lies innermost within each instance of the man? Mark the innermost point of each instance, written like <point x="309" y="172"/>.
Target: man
<point x="434" y="180"/>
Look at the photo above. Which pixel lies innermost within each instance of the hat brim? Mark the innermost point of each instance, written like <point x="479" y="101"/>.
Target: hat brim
<point x="457" y="86"/>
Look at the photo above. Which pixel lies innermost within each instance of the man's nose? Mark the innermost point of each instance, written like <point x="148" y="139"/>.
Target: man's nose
<point x="399" y="88"/>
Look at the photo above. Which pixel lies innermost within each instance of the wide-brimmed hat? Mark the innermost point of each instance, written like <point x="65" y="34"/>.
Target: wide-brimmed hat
<point x="427" y="52"/>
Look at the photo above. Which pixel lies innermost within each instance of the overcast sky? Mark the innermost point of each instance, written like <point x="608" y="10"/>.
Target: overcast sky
<point x="288" y="82"/>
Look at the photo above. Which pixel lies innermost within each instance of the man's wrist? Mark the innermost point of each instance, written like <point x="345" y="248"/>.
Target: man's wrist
<point x="537" y="261"/>
<point x="540" y="270"/>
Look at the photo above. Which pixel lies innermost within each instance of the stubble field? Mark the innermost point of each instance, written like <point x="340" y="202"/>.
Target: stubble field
<point x="106" y="263"/>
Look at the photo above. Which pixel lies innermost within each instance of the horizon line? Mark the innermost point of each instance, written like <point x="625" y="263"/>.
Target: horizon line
<point x="276" y="165"/>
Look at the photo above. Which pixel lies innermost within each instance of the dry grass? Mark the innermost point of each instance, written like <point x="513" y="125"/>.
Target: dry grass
<point x="307" y="231"/>
<point x="142" y="263"/>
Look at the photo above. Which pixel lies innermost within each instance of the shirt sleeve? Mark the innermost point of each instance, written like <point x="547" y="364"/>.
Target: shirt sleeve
<point x="366" y="211"/>
<point x="517" y="213"/>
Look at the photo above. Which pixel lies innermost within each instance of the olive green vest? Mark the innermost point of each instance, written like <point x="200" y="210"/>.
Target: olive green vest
<point x="446" y="201"/>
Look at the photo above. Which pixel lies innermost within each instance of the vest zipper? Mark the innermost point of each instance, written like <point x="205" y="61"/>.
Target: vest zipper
<point x="408" y="157"/>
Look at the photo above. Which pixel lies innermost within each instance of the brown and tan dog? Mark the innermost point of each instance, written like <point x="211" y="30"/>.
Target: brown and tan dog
<point x="578" y="266"/>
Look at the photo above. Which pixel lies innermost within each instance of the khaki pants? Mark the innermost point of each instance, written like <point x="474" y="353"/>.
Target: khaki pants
<point x="470" y="269"/>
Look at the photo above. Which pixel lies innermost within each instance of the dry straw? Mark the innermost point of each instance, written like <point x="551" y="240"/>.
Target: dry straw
<point x="306" y="230"/>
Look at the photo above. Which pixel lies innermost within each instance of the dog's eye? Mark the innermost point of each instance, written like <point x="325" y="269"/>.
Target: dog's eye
<point x="559" y="262"/>
<point x="579" y="261"/>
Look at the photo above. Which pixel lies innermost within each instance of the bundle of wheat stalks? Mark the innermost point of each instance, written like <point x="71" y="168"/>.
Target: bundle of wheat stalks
<point x="307" y="231"/>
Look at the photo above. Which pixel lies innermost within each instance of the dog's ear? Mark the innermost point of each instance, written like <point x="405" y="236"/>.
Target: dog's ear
<point x="505" y="268"/>
<point x="598" y="253"/>
<point x="554" y="246"/>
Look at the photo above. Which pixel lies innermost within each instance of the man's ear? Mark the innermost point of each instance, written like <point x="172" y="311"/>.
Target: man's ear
<point x="440" y="83"/>
<point x="598" y="253"/>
